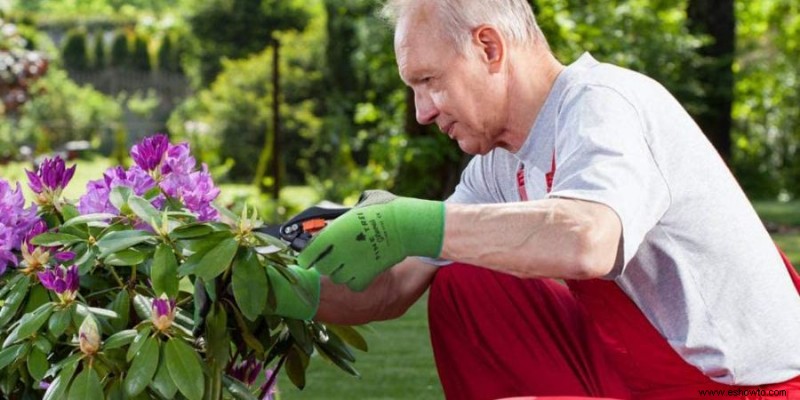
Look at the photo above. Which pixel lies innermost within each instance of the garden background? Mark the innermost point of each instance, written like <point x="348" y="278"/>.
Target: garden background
<point x="290" y="102"/>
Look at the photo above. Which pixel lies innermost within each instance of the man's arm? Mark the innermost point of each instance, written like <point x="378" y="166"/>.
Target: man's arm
<point x="558" y="238"/>
<point x="388" y="297"/>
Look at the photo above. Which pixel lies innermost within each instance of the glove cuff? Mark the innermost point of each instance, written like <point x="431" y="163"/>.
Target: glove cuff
<point x="290" y="303"/>
<point x="424" y="235"/>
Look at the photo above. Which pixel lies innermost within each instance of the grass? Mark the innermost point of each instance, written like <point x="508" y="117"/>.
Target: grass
<point x="782" y="213"/>
<point x="400" y="363"/>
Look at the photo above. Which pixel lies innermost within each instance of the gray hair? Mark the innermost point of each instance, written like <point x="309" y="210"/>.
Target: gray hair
<point x="513" y="18"/>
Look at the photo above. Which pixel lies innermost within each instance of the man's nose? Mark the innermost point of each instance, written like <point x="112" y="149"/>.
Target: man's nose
<point x="426" y="109"/>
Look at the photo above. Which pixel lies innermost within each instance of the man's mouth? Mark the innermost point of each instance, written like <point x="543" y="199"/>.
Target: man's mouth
<point x="448" y="129"/>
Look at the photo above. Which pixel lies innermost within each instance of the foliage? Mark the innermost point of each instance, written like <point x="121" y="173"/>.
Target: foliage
<point x="140" y="57"/>
<point x="75" y="55"/>
<point x="766" y="118"/>
<point x="248" y="28"/>
<point x="120" y="50"/>
<point x="54" y="117"/>
<point x="173" y="296"/>
<point x="649" y="36"/>
<point x="99" y="51"/>
<point x="168" y="57"/>
<point x="19" y="68"/>
<point x="231" y="120"/>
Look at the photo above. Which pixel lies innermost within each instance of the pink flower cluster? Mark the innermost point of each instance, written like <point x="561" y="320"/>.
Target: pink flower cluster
<point x="160" y="164"/>
<point x="15" y="222"/>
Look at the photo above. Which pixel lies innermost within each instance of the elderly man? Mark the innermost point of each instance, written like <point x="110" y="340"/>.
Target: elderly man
<point x="588" y="173"/>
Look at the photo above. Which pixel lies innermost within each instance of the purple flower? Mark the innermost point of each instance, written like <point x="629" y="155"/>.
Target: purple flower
<point x="178" y="161"/>
<point x="7" y="256"/>
<point x="37" y="229"/>
<point x="96" y="199"/>
<point x="163" y="312"/>
<point x="15" y="222"/>
<point x="149" y="153"/>
<point x="34" y="256"/>
<point x="63" y="281"/>
<point x="52" y="176"/>
<point x="269" y="388"/>
<point x="65" y="256"/>
<point x="246" y="370"/>
<point x="196" y="190"/>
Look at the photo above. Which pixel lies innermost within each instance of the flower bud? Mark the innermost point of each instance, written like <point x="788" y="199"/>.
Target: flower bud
<point x="89" y="336"/>
<point x="163" y="313"/>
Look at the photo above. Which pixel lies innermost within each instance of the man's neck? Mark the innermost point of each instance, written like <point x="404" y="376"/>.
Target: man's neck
<point x="531" y="77"/>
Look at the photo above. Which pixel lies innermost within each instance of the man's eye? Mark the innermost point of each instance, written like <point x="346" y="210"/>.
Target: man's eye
<point x="426" y="79"/>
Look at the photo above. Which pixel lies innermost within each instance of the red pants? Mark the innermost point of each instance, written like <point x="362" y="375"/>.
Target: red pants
<point x="497" y="336"/>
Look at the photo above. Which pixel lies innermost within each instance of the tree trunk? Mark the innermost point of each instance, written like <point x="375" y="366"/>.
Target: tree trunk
<point x="716" y="19"/>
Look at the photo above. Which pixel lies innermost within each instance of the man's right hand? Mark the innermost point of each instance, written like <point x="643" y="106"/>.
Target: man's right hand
<point x="289" y="303"/>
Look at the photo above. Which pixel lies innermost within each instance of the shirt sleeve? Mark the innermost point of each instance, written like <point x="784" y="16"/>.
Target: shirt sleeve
<point x="602" y="156"/>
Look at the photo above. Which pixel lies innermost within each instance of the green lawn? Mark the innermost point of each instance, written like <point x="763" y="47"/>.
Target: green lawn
<point x="399" y="365"/>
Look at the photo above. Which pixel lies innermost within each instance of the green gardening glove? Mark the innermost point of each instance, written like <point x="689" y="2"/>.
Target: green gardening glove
<point x="380" y="231"/>
<point x="290" y="303"/>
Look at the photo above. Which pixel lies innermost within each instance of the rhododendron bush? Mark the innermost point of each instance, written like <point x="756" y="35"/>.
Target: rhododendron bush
<point x="144" y="288"/>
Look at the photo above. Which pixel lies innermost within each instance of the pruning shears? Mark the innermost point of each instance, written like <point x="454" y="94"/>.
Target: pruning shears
<point x="298" y="231"/>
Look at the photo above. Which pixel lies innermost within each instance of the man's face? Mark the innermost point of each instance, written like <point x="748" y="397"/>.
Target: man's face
<point x="455" y="91"/>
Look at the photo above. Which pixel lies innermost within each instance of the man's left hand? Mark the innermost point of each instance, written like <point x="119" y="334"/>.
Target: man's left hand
<point x="379" y="232"/>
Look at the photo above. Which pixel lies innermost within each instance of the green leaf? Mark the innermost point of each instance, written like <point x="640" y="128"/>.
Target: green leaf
<point x="51" y="239"/>
<point x="162" y="382"/>
<point x="247" y="335"/>
<point x="217" y="260"/>
<point x="184" y="367"/>
<point x="67" y="363"/>
<point x="87" y="218"/>
<point x="59" y="321"/>
<point x="37" y="296"/>
<point x="144" y="210"/>
<point x="10" y="284"/>
<point x="190" y="231"/>
<point x="119" y="240"/>
<point x="296" y="367"/>
<point x="37" y="364"/>
<point x="120" y="339"/>
<point x="164" y="272"/>
<point x="125" y="258"/>
<point x="83" y="311"/>
<point x="218" y="341"/>
<point x="350" y="336"/>
<point x="42" y="343"/>
<point x="122" y="306"/>
<point x="68" y="211"/>
<point x="143" y="306"/>
<point x="58" y="388"/>
<point x="119" y="198"/>
<point x="143" y="367"/>
<point x="86" y="386"/>
<point x="342" y="364"/>
<point x="237" y="389"/>
<point x="14" y="299"/>
<point x="250" y="284"/>
<point x="30" y="323"/>
<point x="138" y="342"/>
<point x="12" y="353"/>
<point x="335" y="346"/>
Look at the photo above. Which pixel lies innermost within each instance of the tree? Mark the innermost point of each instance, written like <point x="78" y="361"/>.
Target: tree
<point x="716" y="19"/>
<point x="238" y="28"/>
<point x="75" y="54"/>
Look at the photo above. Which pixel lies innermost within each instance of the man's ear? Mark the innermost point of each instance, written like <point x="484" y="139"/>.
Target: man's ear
<point x="491" y="45"/>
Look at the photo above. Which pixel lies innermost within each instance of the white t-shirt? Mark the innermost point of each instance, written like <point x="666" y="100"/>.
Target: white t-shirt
<point x="696" y="258"/>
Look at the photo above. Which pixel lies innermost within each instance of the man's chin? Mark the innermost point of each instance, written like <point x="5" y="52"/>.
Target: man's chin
<point x="472" y="148"/>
